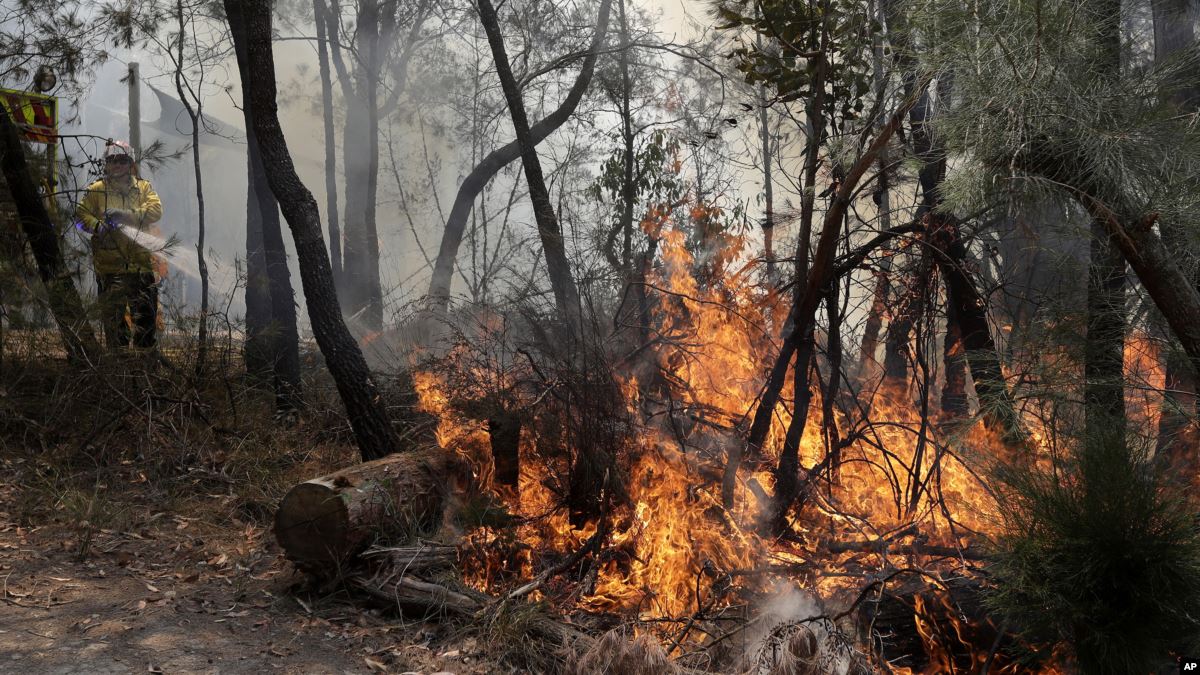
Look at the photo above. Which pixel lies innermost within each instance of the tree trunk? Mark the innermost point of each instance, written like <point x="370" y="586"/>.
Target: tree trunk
<point x="65" y="304"/>
<point x="628" y="186"/>
<point x="504" y="429"/>
<point x="322" y="522"/>
<point x="258" y="349"/>
<point x="194" y="115"/>
<point x="372" y="288"/>
<point x="954" y="364"/>
<point x="331" y="195"/>
<point x="272" y="340"/>
<point x="768" y="223"/>
<point x="354" y="252"/>
<point x="355" y="384"/>
<point x="969" y="310"/>
<point x="566" y="295"/>
<point x="473" y="184"/>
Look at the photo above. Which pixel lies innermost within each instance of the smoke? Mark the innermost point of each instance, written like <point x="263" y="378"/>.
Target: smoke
<point x="796" y="638"/>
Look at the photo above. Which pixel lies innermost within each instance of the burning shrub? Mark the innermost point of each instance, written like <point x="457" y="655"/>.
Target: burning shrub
<point x="1098" y="554"/>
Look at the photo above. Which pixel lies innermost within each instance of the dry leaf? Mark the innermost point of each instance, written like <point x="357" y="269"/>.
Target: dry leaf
<point x="375" y="665"/>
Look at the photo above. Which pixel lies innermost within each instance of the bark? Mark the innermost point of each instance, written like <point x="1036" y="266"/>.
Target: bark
<point x="372" y="288"/>
<point x="65" y="304"/>
<point x="768" y="224"/>
<point x="954" y="391"/>
<point x="1174" y="32"/>
<point x="967" y="308"/>
<point x="258" y="291"/>
<point x="323" y="522"/>
<point x="883" y="201"/>
<point x="504" y="430"/>
<point x="566" y="295"/>
<point x="331" y="196"/>
<point x="354" y="170"/>
<point x="473" y="184"/>
<point x="355" y="384"/>
<point x="272" y="340"/>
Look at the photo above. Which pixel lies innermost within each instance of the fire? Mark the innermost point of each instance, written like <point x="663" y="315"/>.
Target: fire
<point x="671" y="549"/>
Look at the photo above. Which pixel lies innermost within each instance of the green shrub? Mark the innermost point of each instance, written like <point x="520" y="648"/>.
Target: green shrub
<point x="1099" y="554"/>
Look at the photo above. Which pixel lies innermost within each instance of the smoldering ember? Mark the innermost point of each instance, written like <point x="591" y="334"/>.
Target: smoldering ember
<point x="785" y="337"/>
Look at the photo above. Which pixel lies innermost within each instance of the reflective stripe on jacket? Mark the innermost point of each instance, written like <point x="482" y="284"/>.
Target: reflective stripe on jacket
<point x="112" y="251"/>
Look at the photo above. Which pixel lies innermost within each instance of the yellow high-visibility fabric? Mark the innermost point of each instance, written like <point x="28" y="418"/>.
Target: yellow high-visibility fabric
<point x="112" y="251"/>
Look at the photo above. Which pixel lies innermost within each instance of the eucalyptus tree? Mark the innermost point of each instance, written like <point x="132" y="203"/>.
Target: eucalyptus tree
<point x="371" y="47"/>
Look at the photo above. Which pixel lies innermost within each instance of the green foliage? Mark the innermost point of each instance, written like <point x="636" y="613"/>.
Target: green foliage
<point x="1028" y="85"/>
<point x="787" y="35"/>
<point x="656" y="176"/>
<point x="1097" y="553"/>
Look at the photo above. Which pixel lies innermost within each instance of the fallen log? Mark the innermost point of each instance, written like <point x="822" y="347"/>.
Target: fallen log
<point x="322" y="522"/>
<point x="416" y="597"/>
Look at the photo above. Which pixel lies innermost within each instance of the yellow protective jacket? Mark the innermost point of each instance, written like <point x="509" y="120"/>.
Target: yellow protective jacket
<point x="112" y="251"/>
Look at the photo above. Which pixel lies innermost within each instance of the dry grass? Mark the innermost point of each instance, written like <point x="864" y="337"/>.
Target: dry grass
<point x="616" y="653"/>
<point x="137" y="435"/>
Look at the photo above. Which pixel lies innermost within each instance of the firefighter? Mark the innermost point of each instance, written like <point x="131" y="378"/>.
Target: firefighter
<point x="127" y="273"/>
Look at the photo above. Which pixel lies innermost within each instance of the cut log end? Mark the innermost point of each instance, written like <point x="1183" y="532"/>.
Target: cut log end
<point x="313" y="523"/>
<point x="321" y="523"/>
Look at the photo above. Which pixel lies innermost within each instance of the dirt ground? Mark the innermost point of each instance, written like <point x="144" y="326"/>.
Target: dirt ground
<point x="169" y="593"/>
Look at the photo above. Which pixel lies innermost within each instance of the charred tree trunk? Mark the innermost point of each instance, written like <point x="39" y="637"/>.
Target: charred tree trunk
<point x="768" y="224"/>
<point x="355" y="384"/>
<point x="969" y="309"/>
<point x="504" y="429"/>
<point x="272" y="340"/>
<point x="473" y="184"/>
<point x="566" y="295"/>
<point x="259" y="200"/>
<point x="331" y="196"/>
<point x="65" y="304"/>
<point x="1173" y="32"/>
<point x="954" y="364"/>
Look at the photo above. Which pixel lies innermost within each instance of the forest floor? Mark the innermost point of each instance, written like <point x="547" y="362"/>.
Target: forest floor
<point x="140" y="541"/>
